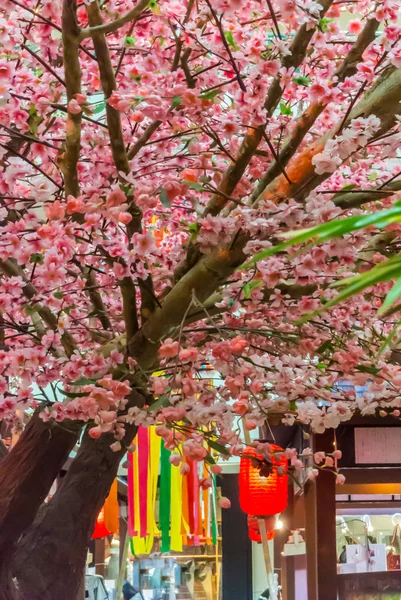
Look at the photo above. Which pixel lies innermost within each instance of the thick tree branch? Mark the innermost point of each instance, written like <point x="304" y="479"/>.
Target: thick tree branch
<point x="132" y="14"/>
<point x="253" y="138"/>
<point x="108" y="82"/>
<point x="314" y="110"/>
<point x="72" y="69"/>
<point x="383" y="101"/>
<point x="353" y="200"/>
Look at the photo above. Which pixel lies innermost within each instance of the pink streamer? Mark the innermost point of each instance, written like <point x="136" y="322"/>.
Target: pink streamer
<point x="143" y="471"/>
<point x="131" y="501"/>
<point x="196" y="504"/>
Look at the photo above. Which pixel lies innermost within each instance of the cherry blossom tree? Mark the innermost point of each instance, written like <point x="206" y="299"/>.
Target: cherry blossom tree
<point x="148" y="150"/>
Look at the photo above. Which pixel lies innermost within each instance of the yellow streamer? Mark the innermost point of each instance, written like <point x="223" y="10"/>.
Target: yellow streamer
<point x="176" y="510"/>
<point x="144" y="545"/>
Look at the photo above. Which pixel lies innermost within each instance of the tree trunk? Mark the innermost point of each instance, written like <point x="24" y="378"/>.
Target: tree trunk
<point x="51" y="557"/>
<point x="27" y="473"/>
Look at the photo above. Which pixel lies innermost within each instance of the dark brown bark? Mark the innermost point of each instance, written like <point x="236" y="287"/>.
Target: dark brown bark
<point x="3" y="449"/>
<point x="51" y="556"/>
<point x="26" y="475"/>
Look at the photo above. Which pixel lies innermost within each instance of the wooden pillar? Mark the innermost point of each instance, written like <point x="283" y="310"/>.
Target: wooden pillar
<point x="100" y="556"/>
<point x="280" y="538"/>
<point x="320" y="525"/>
<point x="236" y="545"/>
<point x="123" y="532"/>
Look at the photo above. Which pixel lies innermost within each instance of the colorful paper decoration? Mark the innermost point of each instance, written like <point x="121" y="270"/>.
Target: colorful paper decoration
<point x="187" y="513"/>
<point x="111" y="512"/>
<point x="107" y="520"/>
<point x="262" y="496"/>
<point x="147" y="456"/>
<point x="100" y="530"/>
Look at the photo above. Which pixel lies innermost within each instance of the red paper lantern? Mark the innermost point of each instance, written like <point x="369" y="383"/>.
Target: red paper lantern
<point x="100" y="530"/>
<point x="254" y="531"/>
<point x="262" y="496"/>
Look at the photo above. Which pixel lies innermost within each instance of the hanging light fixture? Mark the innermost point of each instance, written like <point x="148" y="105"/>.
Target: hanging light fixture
<point x="263" y="496"/>
<point x="263" y="490"/>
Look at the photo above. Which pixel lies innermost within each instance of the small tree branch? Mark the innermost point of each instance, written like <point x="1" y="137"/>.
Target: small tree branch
<point x="227" y="47"/>
<point x="108" y="82"/>
<point x="11" y="269"/>
<point x="147" y="134"/>
<point x="97" y="301"/>
<point x="105" y="28"/>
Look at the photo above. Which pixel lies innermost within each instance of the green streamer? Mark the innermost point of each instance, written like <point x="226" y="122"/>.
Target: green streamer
<point x="214" y="520"/>
<point x="131" y="540"/>
<point x="165" y="497"/>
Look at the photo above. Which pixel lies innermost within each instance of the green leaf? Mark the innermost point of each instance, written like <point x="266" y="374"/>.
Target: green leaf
<point x="323" y="347"/>
<point x="194" y="227"/>
<point x="230" y="40"/>
<point x="248" y="287"/>
<point x="218" y="447"/>
<point x="74" y="394"/>
<point x="285" y="109"/>
<point x="302" y="80"/>
<point x="323" y="24"/>
<point x="36" y="258"/>
<point x="176" y="102"/>
<point x="83" y="381"/>
<point x="390" y="338"/>
<point x="58" y="295"/>
<point x="366" y="369"/>
<point x="332" y="229"/>
<point x="193" y="185"/>
<point x="163" y="197"/>
<point x="391" y="297"/>
<point x="210" y="95"/>
<point x="99" y="108"/>
<point x="130" y="40"/>
<point x="161" y="402"/>
<point x="154" y="7"/>
<point x="358" y="283"/>
<point x="209" y="459"/>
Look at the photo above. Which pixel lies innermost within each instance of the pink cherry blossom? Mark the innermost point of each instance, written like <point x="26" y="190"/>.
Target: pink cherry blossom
<point x="224" y="502"/>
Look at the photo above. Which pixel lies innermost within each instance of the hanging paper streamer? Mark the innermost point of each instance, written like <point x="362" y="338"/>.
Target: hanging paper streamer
<point x="143" y="469"/>
<point x="187" y="513"/>
<point x="214" y="513"/>
<point x="176" y="509"/>
<point x="111" y="509"/>
<point x="165" y="498"/>
<point x="100" y="530"/>
<point x="143" y="475"/>
<point x="107" y="520"/>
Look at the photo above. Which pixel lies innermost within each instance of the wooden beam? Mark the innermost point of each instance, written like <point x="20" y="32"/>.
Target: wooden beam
<point x="370" y="475"/>
<point x="320" y="513"/>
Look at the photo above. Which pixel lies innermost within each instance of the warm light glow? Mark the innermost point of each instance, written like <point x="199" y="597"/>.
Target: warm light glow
<point x="279" y="524"/>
